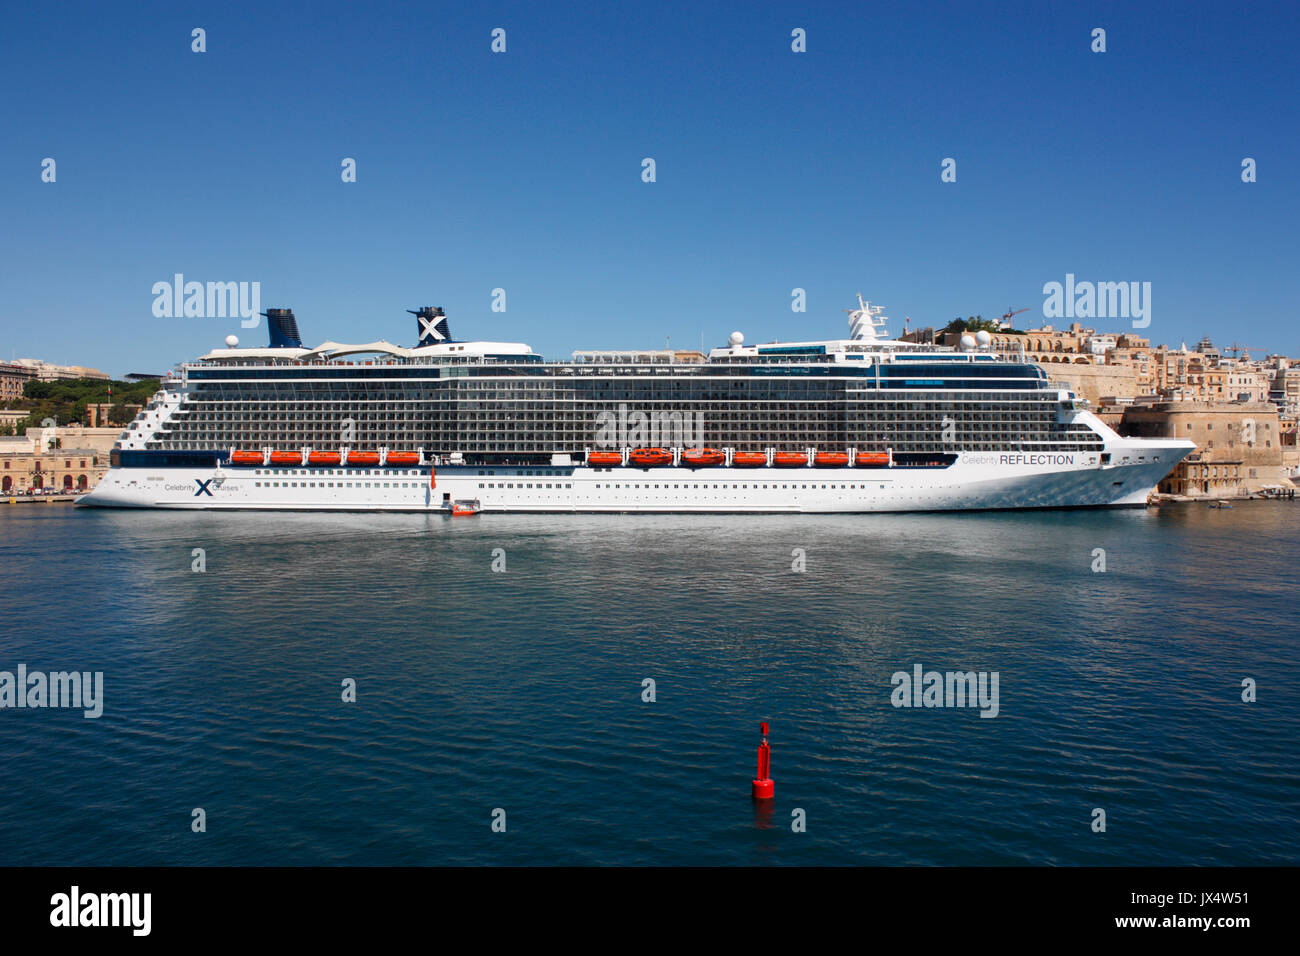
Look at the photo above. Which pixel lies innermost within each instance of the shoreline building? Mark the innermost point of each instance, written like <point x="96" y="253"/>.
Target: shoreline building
<point x="13" y="379"/>
<point x="97" y="439"/>
<point x="67" y="458"/>
<point x="43" y="371"/>
<point x="1284" y="385"/>
<point x="1239" y="445"/>
<point x="24" y="466"/>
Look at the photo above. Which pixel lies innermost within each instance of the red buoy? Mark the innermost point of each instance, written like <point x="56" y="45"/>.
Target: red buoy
<point x="764" y="788"/>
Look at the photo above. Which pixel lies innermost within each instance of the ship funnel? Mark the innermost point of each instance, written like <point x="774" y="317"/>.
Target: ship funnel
<point x="283" y="328"/>
<point x="432" y="325"/>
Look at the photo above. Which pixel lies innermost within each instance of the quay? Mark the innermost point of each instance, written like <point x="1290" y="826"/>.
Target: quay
<point x="47" y="499"/>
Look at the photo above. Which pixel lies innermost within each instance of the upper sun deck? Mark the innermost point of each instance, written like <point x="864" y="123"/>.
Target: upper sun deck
<point x="866" y="346"/>
<point x="371" y="353"/>
<point x="844" y="354"/>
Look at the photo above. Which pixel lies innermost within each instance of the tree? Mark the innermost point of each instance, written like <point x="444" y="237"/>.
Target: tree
<point x="978" y="323"/>
<point x="65" y="400"/>
<point x="974" y="324"/>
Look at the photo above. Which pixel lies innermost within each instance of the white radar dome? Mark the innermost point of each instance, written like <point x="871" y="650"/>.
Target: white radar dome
<point x="736" y="339"/>
<point x="968" y="341"/>
<point x="232" y="341"/>
<point x="983" y="338"/>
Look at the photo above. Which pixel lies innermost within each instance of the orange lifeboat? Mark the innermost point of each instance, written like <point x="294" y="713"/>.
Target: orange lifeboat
<point x="873" y="458"/>
<point x="363" y="458"/>
<point x="790" y="459"/>
<point x="604" y="459"/>
<point x="403" y="458"/>
<point x="323" y="458"/>
<point x="650" y="457"/>
<point x="831" y="459"/>
<point x="748" y="459"/>
<point x="246" y="458"/>
<point x="286" y="458"/>
<point x="702" y="457"/>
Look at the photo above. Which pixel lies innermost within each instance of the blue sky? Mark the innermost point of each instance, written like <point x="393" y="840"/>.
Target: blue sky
<point x="522" y="170"/>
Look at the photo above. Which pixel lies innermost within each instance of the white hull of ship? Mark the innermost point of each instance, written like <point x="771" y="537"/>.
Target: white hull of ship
<point x="976" y="481"/>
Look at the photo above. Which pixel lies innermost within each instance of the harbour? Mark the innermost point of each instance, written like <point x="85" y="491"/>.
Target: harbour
<point x="499" y="664"/>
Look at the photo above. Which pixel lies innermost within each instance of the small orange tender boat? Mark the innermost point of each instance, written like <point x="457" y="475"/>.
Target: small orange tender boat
<point x="246" y="458"/>
<point x="604" y="459"/>
<point x="748" y="459"/>
<point x="831" y="459"/>
<point x="790" y="459"/>
<point x="702" y="457"/>
<point x="363" y="458"/>
<point x="286" y="458"/>
<point x="650" y="457"/>
<point x="873" y="458"/>
<point x="323" y="458"/>
<point x="403" y="458"/>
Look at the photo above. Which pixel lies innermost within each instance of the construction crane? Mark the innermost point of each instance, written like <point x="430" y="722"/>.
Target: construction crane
<point x="1237" y="349"/>
<point x="1008" y="315"/>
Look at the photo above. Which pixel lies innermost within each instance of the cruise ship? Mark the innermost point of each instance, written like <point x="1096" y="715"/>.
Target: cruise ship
<point x="856" y="424"/>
